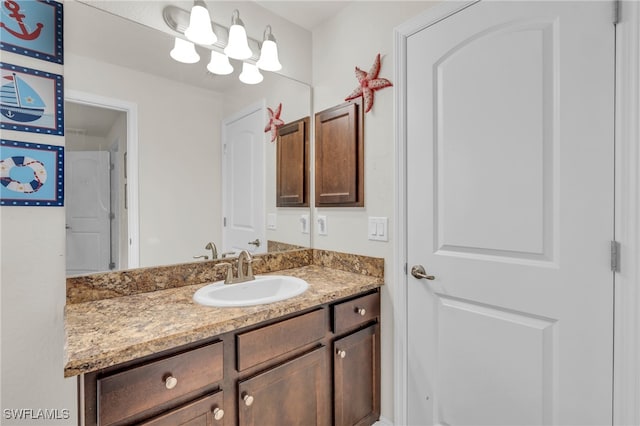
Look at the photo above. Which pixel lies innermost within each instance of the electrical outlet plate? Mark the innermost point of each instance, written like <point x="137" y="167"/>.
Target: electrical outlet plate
<point x="304" y="223"/>
<point x="322" y="225"/>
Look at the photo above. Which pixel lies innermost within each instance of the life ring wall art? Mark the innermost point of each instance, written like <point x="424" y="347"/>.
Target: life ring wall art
<point x="31" y="174"/>
<point x="32" y="28"/>
<point x="31" y="100"/>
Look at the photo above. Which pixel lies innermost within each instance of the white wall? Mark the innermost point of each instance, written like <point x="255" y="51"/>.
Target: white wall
<point x="353" y="38"/>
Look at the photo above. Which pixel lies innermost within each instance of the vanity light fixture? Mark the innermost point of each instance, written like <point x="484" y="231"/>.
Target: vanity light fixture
<point x="184" y="51"/>
<point x="219" y="64"/>
<point x="269" y="52"/>
<point x="199" y="30"/>
<point x="232" y="41"/>
<point x="250" y="74"/>
<point x="237" y="47"/>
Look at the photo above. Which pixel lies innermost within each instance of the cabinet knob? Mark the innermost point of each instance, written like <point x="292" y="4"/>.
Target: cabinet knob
<point x="248" y="399"/>
<point x="170" y="382"/>
<point x="341" y="353"/>
<point x="218" y="413"/>
<point x="361" y="311"/>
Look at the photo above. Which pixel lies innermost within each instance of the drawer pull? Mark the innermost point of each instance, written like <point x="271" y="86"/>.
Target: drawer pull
<point x="170" y="382"/>
<point x="248" y="399"/>
<point x="341" y="353"/>
<point x="218" y="413"/>
<point x="361" y="311"/>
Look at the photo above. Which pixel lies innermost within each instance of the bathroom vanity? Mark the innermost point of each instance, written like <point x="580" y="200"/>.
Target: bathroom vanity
<point x="157" y="358"/>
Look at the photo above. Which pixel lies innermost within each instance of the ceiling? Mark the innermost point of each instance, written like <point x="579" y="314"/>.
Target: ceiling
<point x="307" y="14"/>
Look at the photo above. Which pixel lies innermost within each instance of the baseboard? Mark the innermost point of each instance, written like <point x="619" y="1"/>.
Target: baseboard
<point x="383" y="422"/>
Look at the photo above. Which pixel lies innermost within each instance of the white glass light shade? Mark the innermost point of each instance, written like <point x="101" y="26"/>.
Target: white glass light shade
<point x="219" y="64"/>
<point x="250" y="74"/>
<point x="238" y="47"/>
<point x="184" y="51"/>
<point x="269" y="57"/>
<point x="199" y="30"/>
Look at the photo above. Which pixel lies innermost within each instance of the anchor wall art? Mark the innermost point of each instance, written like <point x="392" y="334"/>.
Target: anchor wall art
<point x="32" y="28"/>
<point x="31" y="100"/>
<point x="31" y="174"/>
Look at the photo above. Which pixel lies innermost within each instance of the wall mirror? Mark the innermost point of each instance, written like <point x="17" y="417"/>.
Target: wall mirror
<point x="155" y="129"/>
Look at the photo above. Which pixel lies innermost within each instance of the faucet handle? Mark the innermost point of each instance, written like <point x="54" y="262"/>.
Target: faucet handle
<point x="229" y="278"/>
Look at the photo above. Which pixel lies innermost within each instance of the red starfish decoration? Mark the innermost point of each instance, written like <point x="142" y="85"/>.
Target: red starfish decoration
<point x="369" y="83"/>
<point x="274" y="122"/>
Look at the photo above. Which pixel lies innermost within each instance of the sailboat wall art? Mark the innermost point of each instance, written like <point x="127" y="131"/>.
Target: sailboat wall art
<point x="31" y="100"/>
<point x="32" y="28"/>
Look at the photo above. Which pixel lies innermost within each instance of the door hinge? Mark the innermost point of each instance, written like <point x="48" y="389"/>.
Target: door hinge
<point x="224" y="221"/>
<point x="616" y="12"/>
<point x="112" y="216"/>
<point x="112" y="265"/>
<point x="406" y="268"/>
<point x="615" y="256"/>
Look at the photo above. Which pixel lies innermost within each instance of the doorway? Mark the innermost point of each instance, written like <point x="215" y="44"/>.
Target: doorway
<point x="512" y="320"/>
<point x="101" y="184"/>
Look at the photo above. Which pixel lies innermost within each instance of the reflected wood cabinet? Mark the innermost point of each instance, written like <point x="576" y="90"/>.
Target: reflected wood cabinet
<point x="292" y="164"/>
<point x="339" y="159"/>
<point x="317" y="367"/>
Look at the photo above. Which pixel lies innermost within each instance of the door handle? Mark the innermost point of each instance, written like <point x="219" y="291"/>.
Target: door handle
<point x="255" y="242"/>
<point x="419" y="272"/>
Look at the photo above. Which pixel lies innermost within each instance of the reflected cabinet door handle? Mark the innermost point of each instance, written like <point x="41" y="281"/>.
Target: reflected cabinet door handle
<point x="419" y="272"/>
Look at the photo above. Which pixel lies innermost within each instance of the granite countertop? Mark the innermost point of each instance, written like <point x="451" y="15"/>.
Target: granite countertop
<point x="107" y="332"/>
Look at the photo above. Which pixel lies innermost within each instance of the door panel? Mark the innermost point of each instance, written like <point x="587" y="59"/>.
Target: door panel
<point x="87" y="212"/>
<point x="510" y="207"/>
<point x="244" y="182"/>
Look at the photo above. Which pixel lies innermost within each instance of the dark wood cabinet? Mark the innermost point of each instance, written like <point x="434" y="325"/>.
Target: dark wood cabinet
<point x="206" y="411"/>
<point x="355" y="375"/>
<point x="293" y="393"/>
<point x="292" y="164"/>
<point x="317" y="367"/>
<point x="339" y="159"/>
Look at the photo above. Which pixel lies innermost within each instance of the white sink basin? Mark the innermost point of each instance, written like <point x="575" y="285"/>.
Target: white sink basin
<point x="264" y="289"/>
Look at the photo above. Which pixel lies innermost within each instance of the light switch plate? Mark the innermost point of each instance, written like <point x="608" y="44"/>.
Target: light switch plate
<point x="378" y="229"/>
<point x="322" y="225"/>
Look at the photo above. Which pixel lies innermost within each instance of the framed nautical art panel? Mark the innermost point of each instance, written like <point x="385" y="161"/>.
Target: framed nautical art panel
<point x="31" y="174"/>
<point x="32" y="28"/>
<point x="31" y="100"/>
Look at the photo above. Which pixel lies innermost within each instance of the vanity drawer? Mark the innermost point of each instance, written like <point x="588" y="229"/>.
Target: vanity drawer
<point x="263" y="344"/>
<point x="355" y="312"/>
<point x="127" y="393"/>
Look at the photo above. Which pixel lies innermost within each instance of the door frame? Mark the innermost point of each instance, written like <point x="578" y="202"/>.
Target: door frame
<point x="131" y="111"/>
<point x="626" y="376"/>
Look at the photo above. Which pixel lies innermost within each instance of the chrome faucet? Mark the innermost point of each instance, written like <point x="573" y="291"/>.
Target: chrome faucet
<point x="214" y="250"/>
<point x="244" y="260"/>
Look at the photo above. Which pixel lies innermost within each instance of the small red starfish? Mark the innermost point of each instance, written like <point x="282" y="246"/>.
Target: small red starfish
<point x="274" y="122"/>
<point x="369" y="83"/>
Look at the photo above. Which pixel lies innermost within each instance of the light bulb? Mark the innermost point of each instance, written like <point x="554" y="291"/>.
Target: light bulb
<point x="250" y="74"/>
<point x="219" y="64"/>
<point x="238" y="46"/>
<point x="269" y="53"/>
<point x="199" y="30"/>
<point x="184" y="51"/>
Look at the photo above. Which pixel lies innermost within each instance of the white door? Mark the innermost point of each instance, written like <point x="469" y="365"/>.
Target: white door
<point x="87" y="192"/>
<point x="243" y="181"/>
<point x="510" y="207"/>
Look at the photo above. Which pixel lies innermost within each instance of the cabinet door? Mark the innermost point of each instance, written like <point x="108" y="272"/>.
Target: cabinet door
<point x="294" y="393"/>
<point x="206" y="411"/>
<point x="292" y="165"/>
<point x="357" y="377"/>
<point x="339" y="162"/>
